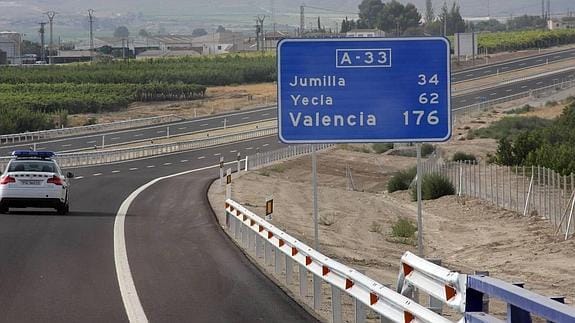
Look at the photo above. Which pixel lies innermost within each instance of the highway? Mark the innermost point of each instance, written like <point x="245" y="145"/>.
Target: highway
<point x="184" y="268"/>
<point x="511" y="65"/>
<point x="62" y="268"/>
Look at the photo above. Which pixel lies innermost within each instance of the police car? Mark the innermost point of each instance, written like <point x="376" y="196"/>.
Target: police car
<point x="34" y="179"/>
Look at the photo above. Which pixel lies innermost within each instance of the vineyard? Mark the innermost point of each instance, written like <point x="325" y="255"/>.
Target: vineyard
<point x="37" y="98"/>
<point x="520" y="40"/>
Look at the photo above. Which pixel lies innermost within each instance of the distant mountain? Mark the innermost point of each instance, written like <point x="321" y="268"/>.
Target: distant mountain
<point x="181" y="16"/>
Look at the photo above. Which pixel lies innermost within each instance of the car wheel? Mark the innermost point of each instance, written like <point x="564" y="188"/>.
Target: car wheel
<point x="64" y="209"/>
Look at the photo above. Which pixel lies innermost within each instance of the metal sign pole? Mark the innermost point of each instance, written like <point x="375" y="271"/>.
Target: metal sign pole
<point x="315" y="208"/>
<point x="419" y="217"/>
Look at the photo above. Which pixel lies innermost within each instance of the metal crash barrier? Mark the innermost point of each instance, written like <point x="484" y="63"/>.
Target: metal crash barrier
<point x="261" y="237"/>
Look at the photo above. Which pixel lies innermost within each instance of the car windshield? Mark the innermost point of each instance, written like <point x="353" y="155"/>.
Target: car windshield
<point x="32" y="166"/>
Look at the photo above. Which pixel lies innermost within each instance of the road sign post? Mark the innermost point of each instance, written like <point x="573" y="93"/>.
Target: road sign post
<point x="364" y="90"/>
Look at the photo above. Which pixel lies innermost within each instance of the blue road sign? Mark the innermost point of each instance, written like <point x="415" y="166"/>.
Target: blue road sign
<point x="364" y="90"/>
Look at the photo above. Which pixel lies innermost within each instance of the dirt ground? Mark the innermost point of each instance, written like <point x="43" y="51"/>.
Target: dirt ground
<point x="355" y="226"/>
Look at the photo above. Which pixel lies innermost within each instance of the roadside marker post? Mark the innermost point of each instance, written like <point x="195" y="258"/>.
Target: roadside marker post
<point x="239" y="160"/>
<point x="269" y="208"/>
<point x="364" y="91"/>
<point x="229" y="184"/>
<point x="221" y="170"/>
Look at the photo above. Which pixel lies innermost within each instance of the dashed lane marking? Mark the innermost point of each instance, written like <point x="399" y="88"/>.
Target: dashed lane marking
<point x="265" y="145"/>
<point x="218" y="154"/>
<point x="115" y="171"/>
<point x="233" y="151"/>
<point x="138" y="135"/>
<point x="265" y="114"/>
<point x="151" y="166"/>
<point x="201" y="157"/>
<point x="184" y="161"/>
<point x="115" y="138"/>
<point x="245" y="118"/>
<point x="204" y="124"/>
<point x="91" y="142"/>
<point x="79" y="177"/>
<point x="133" y="168"/>
<point x="97" y="174"/>
<point x="182" y="128"/>
<point x="249" y="148"/>
<point x="68" y="145"/>
<point x="167" y="164"/>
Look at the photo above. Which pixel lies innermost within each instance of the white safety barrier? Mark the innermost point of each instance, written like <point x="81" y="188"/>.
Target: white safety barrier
<point x="74" y="131"/>
<point x="124" y="154"/>
<point x="447" y="286"/>
<point x="256" y="234"/>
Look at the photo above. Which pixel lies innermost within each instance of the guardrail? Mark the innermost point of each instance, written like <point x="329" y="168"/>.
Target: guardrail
<point x="466" y="293"/>
<point x="119" y="155"/>
<point x="443" y="284"/>
<point x="259" y="236"/>
<point x="539" y="92"/>
<point x="64" y="132"/>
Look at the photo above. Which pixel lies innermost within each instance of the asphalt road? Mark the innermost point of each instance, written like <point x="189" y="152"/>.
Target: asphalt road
<point x="146" y="134"/>
<point x="511" y="65"/>
<point x="61" y="268"/>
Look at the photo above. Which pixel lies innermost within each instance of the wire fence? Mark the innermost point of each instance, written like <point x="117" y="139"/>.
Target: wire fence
<point x="260" y="160"/>
<point x="531" y="191"/>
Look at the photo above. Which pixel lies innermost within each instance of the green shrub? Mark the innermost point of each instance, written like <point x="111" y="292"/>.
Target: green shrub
<point x="427" y="149"/>
<point x="401" y="180"/>
<point x="433" y="186"/>
<point x="461" y="156"/>
<point x="551" y="103"/>
<point x="511" y="127"/>
<point x="403" y="228"/>
<point x="380" y="148"/>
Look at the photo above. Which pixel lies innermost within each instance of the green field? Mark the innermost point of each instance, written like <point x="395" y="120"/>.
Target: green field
<point x="39" y="97"/>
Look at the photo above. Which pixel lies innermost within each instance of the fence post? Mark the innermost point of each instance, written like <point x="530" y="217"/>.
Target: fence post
<point x="516" y="314"/>
<point x="336" y="304"/>
<point x="302" y="281"/>
<point x="497" y="185"/>
<point x="316" y="292"/>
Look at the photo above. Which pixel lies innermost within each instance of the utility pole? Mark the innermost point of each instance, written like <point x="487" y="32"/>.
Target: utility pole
<point x="91" y="17"/>
<point x="548" y="9"/>
<point x="260" y="28"/>
<point x="301" y="20"/>
<point x="42" y="31"/>
<point x="51" y="15"/>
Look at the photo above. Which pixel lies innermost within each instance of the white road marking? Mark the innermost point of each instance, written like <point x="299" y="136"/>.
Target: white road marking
<point x="218" y="154"/>
<point x="493" y="94"/>
<point x="265" y="114"/>
<point x="68" y="145"/>
<point x="539" y="83"/>
<point x="151" y="166"/>
<point x="486" y="72"/>
<point x="184" y="161"/>
<point x="201" y="157"/>
<point x="249" y="148"/>
<point x="524" y="87"/>
<point x="509" y="90"/>
<point x="468" y="75"/>
<point x="97" y="174"/>
<point x="160" y="131"/>
<point x="477" y="97"/>
<point x="265" y="145"/>
<point x="167" y="164"/>
<point x="133" y="169"/>
<point x="204" y="124"/>
<point x="138" y="135"/>
<point x="556" y="56"/>
<point x="182" y="128"/>
<point x="130" y="298"/>
<point x="91" y="142"/>
<point x="462" y="101"/>
<point x="504" y="67"/>
<point x="115" y="138"/>
<point x="245" y="118"/>
<point x="233" y="151"/>
<point x="115" y="171"/>
<point x="522" y="64"/>
<point x="540" y="60"/>
<point x="79" y="177"/>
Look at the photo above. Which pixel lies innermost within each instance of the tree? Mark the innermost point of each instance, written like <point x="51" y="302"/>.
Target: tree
<point x="143" y="33"/>
<point x="122" y="32"/>
<point x="396" y="18"/>
<point x="369" y="11"/>
<point x="491" y="25"/>
<point x="429" y="15"/>
<point x="526" y="22"/>
<point x="455" y="23"/>
<point x="220" y="29"/>
<point x="199" y="32"/>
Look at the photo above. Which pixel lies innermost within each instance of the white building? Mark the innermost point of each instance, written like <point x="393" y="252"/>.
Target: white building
<point x="10" y="43"/>
<point x="365" y="33"/>
<point x="565" y="23"/>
